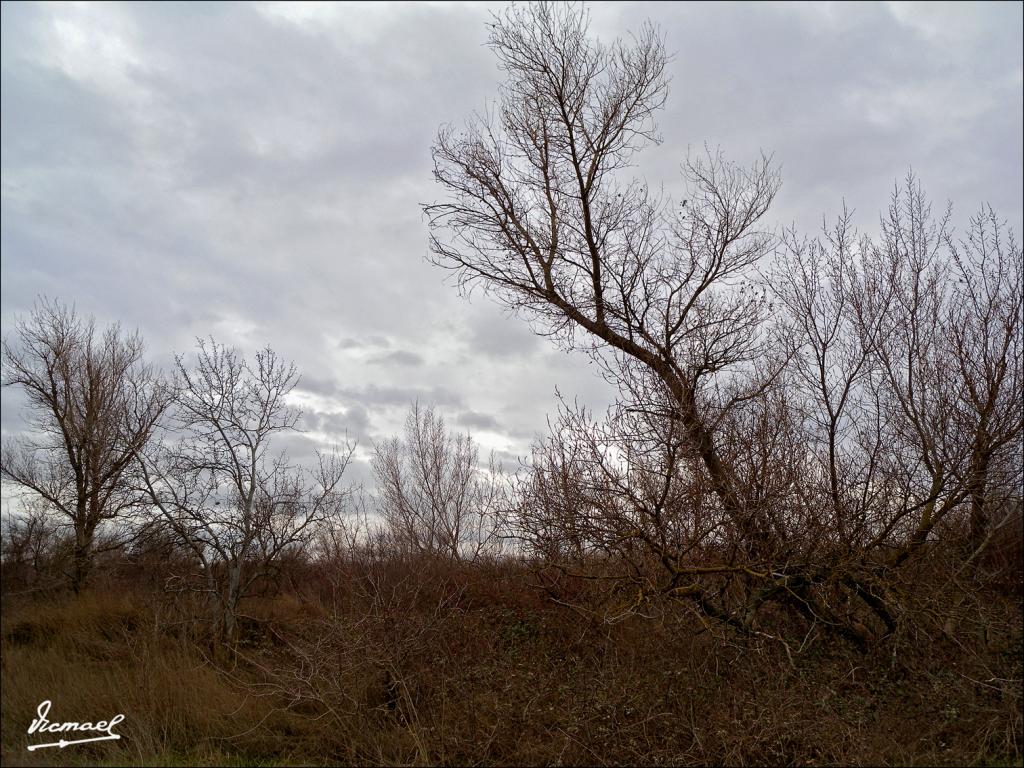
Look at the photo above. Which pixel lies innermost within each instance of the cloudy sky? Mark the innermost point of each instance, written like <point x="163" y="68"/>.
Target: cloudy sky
<point x="255" y="172"/>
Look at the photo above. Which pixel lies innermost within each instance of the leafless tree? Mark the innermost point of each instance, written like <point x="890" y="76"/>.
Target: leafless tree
<point x="237" y="506"/>
<point x="899" y="309"/>
<point x="94" y="404"/>
<point x="33" y="546"/>
<point x="432" y="493"/>
<point x="983" y="329"/>
<point x="345" y="532"/>
<point x="665" y="295"/>
<point x="830" y="361"/>
<point x="943" y="319"/>
<point x="625" y="500"/>
<point x="537" y="215"/>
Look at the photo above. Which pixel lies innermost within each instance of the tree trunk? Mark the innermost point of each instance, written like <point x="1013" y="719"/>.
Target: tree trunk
<point x="979" y="515"/>
<point x="82" y="562"/>
<point x="230" y="605"/>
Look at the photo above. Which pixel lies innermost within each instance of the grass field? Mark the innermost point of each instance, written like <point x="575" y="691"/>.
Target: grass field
<point x="474" y="667"/>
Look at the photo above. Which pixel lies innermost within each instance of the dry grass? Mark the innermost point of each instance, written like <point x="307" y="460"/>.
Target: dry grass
<point x="405" y="664"/>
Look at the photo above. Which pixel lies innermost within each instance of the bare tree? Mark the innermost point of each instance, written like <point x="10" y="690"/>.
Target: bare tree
<point x="32" y="546"/>
<point x="625" y="500"/>
<point x="345" y="533"/>
<point x="830" y="362"/>
<point x="666" y="296"/>
<point x="237" y="507"/>
<point x="983" y="330"/>
<point x="899" y="310"/>
<point x="943" y="319"/>
<point x="536" y="214"/>
<point x="432" y="493"/>
<point x="94" y="404"/>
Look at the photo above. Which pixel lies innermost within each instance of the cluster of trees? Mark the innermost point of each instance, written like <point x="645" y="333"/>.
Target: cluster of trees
<point x="122" y="457"/>
<point x="799" y="417"/>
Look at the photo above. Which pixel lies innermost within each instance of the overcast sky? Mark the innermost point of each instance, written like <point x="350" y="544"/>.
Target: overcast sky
<point x="255" y="172"/>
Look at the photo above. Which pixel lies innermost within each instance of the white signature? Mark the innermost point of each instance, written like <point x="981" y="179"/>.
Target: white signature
<point x="42" y="725"/>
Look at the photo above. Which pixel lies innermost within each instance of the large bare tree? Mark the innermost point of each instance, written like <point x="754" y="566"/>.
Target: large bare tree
<point x="665" y="295"/>
<point x="93" y="404"/>
<point x="538" y="214"/>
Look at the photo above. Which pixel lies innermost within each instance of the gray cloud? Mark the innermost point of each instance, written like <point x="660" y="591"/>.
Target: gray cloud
<point x="475" y="420"/>
<point x="255" y="172"/>
<point x="499" y="336"/>
<point x="367" y="343"/>
<point x="400" y="357"/>
<point x="318" y="386"/>
<point x="353" y="423"/>
<point x="374" y="394"/>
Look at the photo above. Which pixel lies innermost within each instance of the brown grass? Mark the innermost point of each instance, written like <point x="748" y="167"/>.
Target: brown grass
<point x="399" y="663"/>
